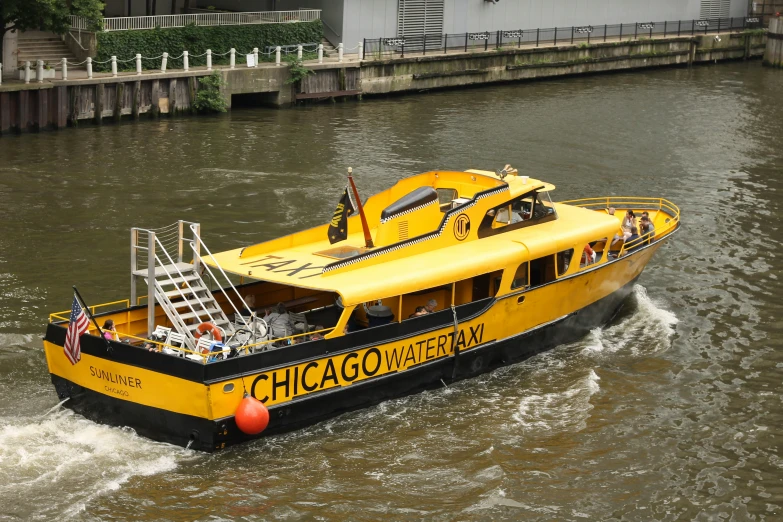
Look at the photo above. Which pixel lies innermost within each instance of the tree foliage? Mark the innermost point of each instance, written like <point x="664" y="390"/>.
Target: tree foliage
<point x="46" y="15"/>
<point x="92" y="10"/>
<point x="197" y="39"/>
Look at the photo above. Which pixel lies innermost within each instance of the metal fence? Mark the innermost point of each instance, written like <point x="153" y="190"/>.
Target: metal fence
<point x="130" y="23"/>
<point x="496" y="40"/>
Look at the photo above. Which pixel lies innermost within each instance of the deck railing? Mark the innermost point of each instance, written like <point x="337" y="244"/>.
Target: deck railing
<point x="131" y="23"/>
<point x="623" y="203"/>
<point x="62" y="318"/>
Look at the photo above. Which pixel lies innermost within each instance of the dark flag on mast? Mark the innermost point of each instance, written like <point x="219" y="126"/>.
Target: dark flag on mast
<point x="338" y="228"/>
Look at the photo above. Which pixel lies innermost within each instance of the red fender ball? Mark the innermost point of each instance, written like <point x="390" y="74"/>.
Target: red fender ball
<point x="251" y="416"/>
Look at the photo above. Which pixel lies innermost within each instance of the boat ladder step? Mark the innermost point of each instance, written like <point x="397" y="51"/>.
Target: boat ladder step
<point x="167" y="270"/>
<point x="191" y="289"/>
<point x="178" y="280"/>
<point x="201" y="313"/>
<point x="217" y="322"/>
<point x="196" y="303"/>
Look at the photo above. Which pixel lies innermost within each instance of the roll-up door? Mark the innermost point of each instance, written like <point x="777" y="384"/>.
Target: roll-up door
<point x="419" y="21"/>
<point x="711" y="9"/>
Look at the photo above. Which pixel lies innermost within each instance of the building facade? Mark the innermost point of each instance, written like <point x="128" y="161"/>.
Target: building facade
<point x="350" y="21"/>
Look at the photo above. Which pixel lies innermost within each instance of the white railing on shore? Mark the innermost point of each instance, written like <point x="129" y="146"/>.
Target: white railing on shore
<point x="131" y="23"/>
<point x="79" y="23"/>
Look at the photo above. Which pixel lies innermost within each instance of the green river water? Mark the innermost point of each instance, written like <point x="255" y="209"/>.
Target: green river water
<point x="672" y="412"/>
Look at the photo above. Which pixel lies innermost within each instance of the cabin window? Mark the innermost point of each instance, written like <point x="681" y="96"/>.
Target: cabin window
<point x="544" y="206"/>
<point x="502" y="216"/>
<point x="405" y="306"/>
<point x="445" y="198"/>
<point x="592" y="253"/>
<point x="523" y="208"/>
<point x="520" y="277"/>
<point x="542" y="271"/>
<point x="522" y="211"/>
<point x="564" y="261"/>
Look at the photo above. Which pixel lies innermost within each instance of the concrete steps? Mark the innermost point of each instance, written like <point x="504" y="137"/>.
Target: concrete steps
<point x="43" y="46"/>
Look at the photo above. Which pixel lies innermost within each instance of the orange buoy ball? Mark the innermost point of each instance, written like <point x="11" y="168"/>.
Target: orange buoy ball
<point x="252" y="417"/>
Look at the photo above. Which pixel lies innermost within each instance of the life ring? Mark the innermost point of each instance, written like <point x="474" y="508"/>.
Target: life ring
<point x="208" y="327"/>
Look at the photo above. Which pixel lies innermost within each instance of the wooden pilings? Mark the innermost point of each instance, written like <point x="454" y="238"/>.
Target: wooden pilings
<point x="33" y="109"/>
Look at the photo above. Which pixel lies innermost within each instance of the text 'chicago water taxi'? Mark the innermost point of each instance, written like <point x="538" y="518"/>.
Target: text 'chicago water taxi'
<point x="443" y="276"/>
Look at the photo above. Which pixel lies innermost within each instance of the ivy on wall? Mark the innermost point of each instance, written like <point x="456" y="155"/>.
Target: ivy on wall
<point x="196" y="40"/>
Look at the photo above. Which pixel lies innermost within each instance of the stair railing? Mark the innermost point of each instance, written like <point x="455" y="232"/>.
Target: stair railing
<point x="196" y="248"/>
<point x="171" y="236"/>
<point x="179" y="290"/>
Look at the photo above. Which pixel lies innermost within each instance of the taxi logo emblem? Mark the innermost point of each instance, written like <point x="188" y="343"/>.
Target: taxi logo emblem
<point x="461" y="227"/>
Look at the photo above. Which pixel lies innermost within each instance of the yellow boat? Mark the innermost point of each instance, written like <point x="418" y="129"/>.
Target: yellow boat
<point x="511" y="274"/>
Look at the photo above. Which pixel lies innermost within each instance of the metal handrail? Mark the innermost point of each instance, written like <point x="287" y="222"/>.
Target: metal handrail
<point x="197" y="238"/>
<point x="67" y="313"/>
<point x="375" y="48"/>
<point x="79" y="41"/>
<point x="622" y="202"/>
<point x="179" y="272"/>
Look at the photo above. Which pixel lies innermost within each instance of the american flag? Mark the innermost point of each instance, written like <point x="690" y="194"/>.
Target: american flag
<point x="79" y="325"/>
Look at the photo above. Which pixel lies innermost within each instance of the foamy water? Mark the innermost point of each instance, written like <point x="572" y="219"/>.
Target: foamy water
<point x="649" y="329"/>
<point x="646" y="328"/>
<point x="61" y="461"/>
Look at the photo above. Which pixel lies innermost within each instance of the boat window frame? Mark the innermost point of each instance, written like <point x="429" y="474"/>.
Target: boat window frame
<point x="564" y="257"/>
<point x="598" y="258"/>
<point x="515" y="277"/>
<point x="490" y="226"/>
<point x="546" y="260"/>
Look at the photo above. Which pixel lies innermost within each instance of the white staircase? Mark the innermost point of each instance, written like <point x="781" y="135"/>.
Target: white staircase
<point x="181" y="288"/>
<point x="49" y="47"/>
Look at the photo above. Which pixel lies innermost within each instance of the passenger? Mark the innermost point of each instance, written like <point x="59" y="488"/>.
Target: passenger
<point x="420" y="310"/>
<point x="610" y="211"/>
<point x="431" y="305"/>
<point x="250" y="301"/>
<point x="588" y="255"/>
<point x="647" y="227"/>
<point x="280" y="322"/>
<point x="632" y="242"/>
<point x="629" y="220"/>
<point x="109" y="332"/>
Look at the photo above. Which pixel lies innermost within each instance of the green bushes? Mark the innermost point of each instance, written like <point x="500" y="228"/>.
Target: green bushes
<point x="196" y="40"/>
<point x="209" y="98"/>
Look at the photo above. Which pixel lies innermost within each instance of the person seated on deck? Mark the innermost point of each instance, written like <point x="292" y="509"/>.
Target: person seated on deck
<point x="420" y="310"/>
<point x="630" y="219"/>
<point x="109" y="331"/>
<point x="633" y="241"/>
<point x="280" y="322"/>
<point x="624" y="237"/>
<point x="250" y="301"/>
<point x="647" y="227"/>
<point x="431" y="305"/>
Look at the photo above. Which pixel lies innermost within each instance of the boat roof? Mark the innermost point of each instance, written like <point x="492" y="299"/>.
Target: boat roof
<point x="426" y="260"/>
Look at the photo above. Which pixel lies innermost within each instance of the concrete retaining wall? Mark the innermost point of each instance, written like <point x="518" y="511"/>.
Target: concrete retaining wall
<point x="61" y="103"/>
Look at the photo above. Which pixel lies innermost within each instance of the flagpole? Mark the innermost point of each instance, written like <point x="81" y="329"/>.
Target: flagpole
<point x="87" y="311"/>
<point x="367" y="236"/>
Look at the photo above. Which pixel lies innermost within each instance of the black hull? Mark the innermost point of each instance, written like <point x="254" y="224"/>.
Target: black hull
<point x="205" y="435"/>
